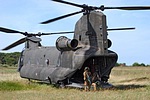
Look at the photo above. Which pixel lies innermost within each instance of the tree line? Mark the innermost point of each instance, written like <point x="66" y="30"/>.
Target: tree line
<point x="134" y="64"/>
<point x="9" y="58"/>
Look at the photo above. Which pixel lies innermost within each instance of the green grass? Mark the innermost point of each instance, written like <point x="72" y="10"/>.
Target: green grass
<point x="16" y="86"/>
<point x="131" y="83"/>
<point x="10" y="86"/>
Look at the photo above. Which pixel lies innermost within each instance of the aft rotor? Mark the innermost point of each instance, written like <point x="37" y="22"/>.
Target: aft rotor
<point x="87" y="9"/>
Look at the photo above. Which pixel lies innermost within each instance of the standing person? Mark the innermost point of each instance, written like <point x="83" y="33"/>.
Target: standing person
<point x="87" y="79"/>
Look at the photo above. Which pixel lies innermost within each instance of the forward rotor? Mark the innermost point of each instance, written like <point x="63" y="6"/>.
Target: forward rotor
<point x="6" y="30"/>
<point x="28" y="35"/>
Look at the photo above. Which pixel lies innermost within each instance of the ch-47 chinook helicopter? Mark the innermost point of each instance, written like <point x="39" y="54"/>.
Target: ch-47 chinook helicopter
<point x="64" y="63"/>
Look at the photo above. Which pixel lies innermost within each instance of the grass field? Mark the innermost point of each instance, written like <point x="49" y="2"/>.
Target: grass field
<point x="131" y="83"/>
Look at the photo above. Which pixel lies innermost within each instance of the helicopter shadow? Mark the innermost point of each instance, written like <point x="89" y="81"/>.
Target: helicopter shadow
<point x="127" y="87"/>
<point x="116" y="87"/>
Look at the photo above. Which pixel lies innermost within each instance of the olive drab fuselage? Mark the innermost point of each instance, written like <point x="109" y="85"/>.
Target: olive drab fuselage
<point x="66" y="62"/>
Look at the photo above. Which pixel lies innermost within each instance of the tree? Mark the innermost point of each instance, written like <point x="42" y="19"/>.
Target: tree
<point x="9" y="58"/>
<point x="137" y="64"/>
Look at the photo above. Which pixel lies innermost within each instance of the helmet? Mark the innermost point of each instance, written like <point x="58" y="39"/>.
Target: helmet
<point x="86" y="68"/>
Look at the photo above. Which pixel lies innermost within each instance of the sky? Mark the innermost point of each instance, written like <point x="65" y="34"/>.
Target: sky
<point x="25" y="15"/>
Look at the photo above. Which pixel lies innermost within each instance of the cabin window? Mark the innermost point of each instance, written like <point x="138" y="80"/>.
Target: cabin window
<point x="79" y="37"/>
<point x="47" y="61"/>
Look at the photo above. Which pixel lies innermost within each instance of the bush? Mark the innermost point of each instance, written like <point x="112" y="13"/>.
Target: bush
<point x="9" y="58"/>
<point x="137" y="64"/>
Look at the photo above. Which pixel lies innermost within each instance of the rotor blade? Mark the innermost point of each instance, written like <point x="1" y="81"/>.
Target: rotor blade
<point x="128" y="8"/>
<point x="61" y="17"/>
<point x="6" y="30"/>
<point x="114" y="29"/>
<point x="65" y="2"/>
<point x="15" y="44"/>
<point x="57" y="33"/>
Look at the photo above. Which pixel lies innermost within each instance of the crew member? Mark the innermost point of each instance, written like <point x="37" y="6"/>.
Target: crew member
<point x="87" y="79"/>
<point x="95" y="80"/>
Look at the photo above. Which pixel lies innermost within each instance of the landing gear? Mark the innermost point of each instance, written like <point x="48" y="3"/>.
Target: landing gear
<point x="105" y="85"/>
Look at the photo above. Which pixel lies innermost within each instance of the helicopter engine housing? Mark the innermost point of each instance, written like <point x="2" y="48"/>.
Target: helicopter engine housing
<point x="65" y="44"/>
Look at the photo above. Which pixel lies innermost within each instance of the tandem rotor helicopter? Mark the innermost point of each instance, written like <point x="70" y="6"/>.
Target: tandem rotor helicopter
<point x="64" y="63"/>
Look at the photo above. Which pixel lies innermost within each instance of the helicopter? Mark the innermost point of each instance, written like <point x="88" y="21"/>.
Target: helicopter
<point x="64" y="63"/>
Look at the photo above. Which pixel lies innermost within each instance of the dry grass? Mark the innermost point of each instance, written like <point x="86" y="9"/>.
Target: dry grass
<point x="9" y="73"/>
<point x="131" y="83"/>
<point x="130" y="75"/>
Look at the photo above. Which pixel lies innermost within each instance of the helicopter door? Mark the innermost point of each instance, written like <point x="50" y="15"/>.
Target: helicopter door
<point x="100" y="64"/>
<point x="20" y="61"/>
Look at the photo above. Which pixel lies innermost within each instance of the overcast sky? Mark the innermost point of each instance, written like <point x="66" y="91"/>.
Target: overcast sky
<point x="25" y="15"/>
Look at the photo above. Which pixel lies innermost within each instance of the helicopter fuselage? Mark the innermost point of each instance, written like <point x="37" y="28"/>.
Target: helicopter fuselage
<point x="66" y="62"/>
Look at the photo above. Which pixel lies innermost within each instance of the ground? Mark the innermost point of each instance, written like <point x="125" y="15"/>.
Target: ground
<point x="131" y="83"/>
